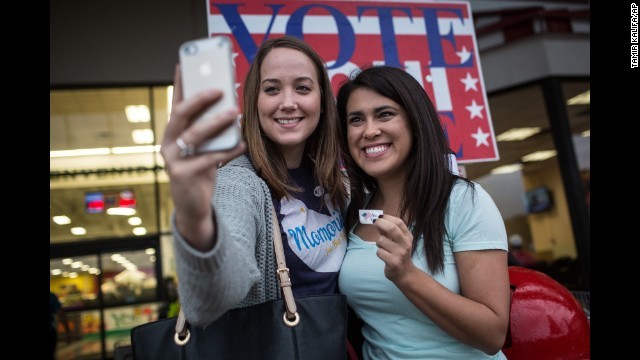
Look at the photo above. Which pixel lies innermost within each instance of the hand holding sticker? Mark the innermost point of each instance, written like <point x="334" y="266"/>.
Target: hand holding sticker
<point x="367" y="216"/>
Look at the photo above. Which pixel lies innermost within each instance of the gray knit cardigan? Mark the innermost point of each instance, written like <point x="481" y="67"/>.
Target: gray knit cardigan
<point x="240" y="269"/>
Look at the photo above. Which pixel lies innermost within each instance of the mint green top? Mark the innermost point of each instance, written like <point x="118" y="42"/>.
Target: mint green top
<point x="394" y="327"/>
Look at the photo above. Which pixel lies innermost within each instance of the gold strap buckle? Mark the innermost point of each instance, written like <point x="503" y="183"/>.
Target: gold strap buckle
<point x="284" y="280"/>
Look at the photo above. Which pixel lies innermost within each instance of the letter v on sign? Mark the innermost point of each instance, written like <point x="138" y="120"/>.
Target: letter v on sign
<point x="240" y="31"/>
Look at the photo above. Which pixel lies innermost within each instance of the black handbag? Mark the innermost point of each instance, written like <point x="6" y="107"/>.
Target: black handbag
<point x="304" y="328"/>
<point x="255" y="332"/>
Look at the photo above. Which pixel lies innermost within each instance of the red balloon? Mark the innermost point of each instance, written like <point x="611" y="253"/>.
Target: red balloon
<point x="546" y="321"/>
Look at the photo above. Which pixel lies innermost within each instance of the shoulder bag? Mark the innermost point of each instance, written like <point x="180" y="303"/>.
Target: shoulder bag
<point x="303" y="328"/>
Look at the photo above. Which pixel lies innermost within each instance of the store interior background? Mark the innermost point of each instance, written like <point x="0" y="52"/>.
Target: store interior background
<point x="121" y="261"/>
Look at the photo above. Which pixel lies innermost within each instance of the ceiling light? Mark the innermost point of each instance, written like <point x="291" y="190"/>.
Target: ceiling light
<point x="135" y="149"/>
<point x="139" y="231"/>
<point x="581" y="99"/>
<point x="516" y="134"/>
<point x="106" y="151"/>
<point x="61" y="220"/>
<point x="79" y="152"/>
<point x="150" y="251"/>
<point x="121" y="211"/>
<point x="135" y="221"/>
<point x="586" y="133"/>
<point x="67" y="261"/>
<point x="539" y="155"/>
<point x="506" y="169"/>
<point x="142" y="136"/>
<point x="78" y="231"/>
<point x="56" y="272"/>
<point x="137" y="113"/>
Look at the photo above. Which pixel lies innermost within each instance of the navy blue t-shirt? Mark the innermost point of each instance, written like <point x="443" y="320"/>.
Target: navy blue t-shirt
<point x="313" y="236"/>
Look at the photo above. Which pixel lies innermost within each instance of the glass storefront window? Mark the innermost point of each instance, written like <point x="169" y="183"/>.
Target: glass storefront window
<point x="120" y="320"/>
<point x="578" y="96"/>
<point x="119" y="289"/>
<point x="104" y="142"/>
<point x="75" y="281"/>
<point x="98" y="132"/>
<point x="162" y="109"/>
<point x="111" y="205"/>
<point x="522" y="167"/>
<point x="129" y="277"/>
<point x="85" y="329"/>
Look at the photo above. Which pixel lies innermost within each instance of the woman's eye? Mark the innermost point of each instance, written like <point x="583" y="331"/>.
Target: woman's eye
<point x="304" y="88"/>
<point x="386" y="114"/>
<point x="270" y="89"/>
<point x="354" y="120"/>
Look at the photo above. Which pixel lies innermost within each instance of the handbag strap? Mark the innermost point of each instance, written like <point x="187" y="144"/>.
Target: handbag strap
<point x="182" y="335"/>
<point x="291" y="317"/>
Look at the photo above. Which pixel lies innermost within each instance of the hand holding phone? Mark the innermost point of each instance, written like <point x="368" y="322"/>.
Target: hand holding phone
<point x="207" y="64"/>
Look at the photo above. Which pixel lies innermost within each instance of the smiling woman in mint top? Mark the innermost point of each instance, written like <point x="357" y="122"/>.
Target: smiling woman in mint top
<point x="288" y="158"/>
<point x="429" y="277"/>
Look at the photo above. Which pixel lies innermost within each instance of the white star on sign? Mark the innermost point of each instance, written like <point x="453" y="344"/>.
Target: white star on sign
<point x="233" y="58"/>
<point x="481" y="138"/>
<point x="463" y="54"/>
<point x="469" y="83"/>
<point x="475" y="109"/>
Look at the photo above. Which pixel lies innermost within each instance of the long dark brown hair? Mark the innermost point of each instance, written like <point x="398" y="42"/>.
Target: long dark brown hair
<point x="429" y="182"/>
<point x="322" y="146"/>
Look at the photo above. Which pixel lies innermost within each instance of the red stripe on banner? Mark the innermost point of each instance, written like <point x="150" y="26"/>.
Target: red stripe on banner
<point x="441" y="55"/>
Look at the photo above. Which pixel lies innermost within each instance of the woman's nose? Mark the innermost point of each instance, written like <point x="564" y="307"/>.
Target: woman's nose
<point x="371" y="131"/>
<point x="288" y="101"/>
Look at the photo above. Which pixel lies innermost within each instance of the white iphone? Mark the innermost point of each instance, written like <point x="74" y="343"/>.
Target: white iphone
<point x="207" y="64"/>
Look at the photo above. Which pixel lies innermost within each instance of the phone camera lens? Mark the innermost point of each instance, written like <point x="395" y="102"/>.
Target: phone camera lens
<point x="190" y="49"/>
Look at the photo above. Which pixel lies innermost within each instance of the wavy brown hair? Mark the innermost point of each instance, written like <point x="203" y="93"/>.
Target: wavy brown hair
<point x="429" y="181"/>
<point x="322" y="147"/>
